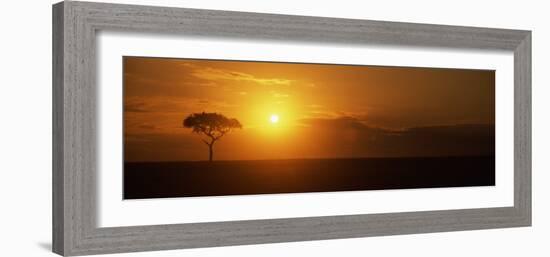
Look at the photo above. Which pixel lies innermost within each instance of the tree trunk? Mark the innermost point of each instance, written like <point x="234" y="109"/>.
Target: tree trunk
<point x="211" y="156"/>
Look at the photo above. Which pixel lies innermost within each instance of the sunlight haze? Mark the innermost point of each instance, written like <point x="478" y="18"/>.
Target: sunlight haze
<point x="290" y="110"/>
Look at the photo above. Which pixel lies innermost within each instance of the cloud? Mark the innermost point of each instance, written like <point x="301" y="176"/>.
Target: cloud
<point x="164" y="115"/>
<point x="178" y="83"/>
<point x="132" y="105"/>
<point x="148" y="126"/>
<point x="353" y="137"/>
<point x="314" y="111"/>
<point x="162" y="104"/>
<point x="216" y="74"/>
<point x="279" y="95"/>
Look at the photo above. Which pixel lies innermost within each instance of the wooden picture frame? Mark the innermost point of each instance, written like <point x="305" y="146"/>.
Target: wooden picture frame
<point x="75" y="25"/>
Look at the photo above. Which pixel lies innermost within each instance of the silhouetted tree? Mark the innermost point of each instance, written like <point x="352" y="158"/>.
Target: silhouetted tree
<point x="213" y="125"/>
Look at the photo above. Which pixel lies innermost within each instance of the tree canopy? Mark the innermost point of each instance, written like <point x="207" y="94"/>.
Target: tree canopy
<point x="213" y="125"/>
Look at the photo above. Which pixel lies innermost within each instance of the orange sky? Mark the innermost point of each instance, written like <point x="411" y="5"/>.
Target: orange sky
<point x="325" y="111"/>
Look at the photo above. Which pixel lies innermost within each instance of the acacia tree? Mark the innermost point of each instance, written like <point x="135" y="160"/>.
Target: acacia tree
<point x="213" y="125"/>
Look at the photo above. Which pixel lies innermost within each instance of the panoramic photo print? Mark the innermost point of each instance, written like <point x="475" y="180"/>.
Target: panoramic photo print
<point x="198" y="127"/>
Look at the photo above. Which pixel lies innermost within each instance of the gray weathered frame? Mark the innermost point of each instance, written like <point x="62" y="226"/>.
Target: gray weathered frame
<point x="75" y="25"/>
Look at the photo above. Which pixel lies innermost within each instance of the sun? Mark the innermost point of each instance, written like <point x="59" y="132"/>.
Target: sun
<point x="274" y="118"/>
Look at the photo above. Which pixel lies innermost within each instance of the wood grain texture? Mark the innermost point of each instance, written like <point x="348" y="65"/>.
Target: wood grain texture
<point x="75" y="25"/>
<point x="522" y="128"/>
<point x="57" y="125"/>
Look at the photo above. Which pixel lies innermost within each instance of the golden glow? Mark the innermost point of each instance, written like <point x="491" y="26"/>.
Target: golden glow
<point x="294" y="110"/>
<point x="274" y="118"/>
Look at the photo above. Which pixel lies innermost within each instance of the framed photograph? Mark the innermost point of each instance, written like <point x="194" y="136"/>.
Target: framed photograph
<point x="183" y="128"/>
<point x="302" y="127"/>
